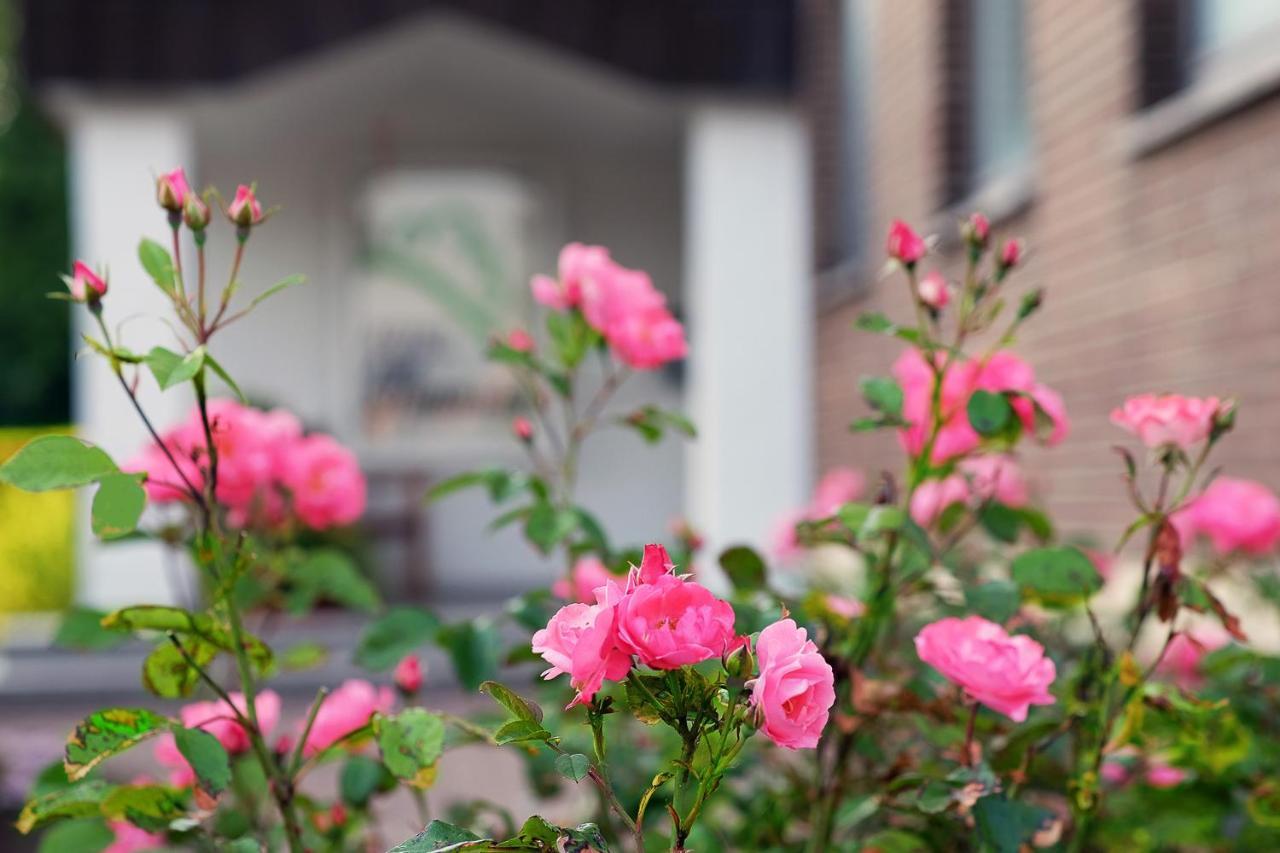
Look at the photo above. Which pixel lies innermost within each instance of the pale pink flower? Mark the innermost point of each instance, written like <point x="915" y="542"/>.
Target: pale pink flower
<point x="1006" y="673"/>
<point x="794" y="690"/>
<point x="1159" y="420"/>
<point x="172" y="190"/>
<point x="934" y="291"/>
<point x="997" y="477"/>
<point x="582" y="640"/>
<point x="219" y="720"/>
<point x="325" y="482"/>
<point x="1181" y="661"/>
<point x="1235" y="514"/>
<point x="578" y="263"/>
<point x="903" y="244"/>
<point x="343" y="711"/>
<point x="408" y="674"/>
<point x="588" y="574"/>
<point x="669" y="623"/>
<point x="932" y="497"/>
<point x="131" y="839"/>
<point x="1161" y="775"/>
<point x="245" y="209"/>
<point x="85" y="284"/>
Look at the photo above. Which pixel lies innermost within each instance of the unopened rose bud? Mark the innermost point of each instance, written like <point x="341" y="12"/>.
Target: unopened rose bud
<point x="976" y="230"/>
<point x="903" y="244"/>
<point x="1031" y="302"/>
<point x="245" y="210"/>
<point x="338" y="814"/>
<point x="738" y="661"/>
<point x="85" y="285"/>
<point x="520" y="340"/>
<point x="933" y="291"/>
<point x="1224" y="420"/>
<point x="408" y="675"/>
<point x="522" y="429"/>
<point x="172" y="190"/>
<point x="195" y="213"/>
<point x="1011" y="254"/>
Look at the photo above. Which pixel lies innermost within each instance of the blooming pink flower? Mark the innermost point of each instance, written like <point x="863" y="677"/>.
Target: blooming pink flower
<point x="325" y="482"/>
<point x="172" y="190"/>
<point x="1011" y="253"/>
<point x="903" y="244"/>
<point x="996" y="476"/>
<point x="130" y="839"/>
<point x="345" y="710"/>
<point x="521" y="428"/>
<point x="408" y="674"/>
<point x="85" y="284"/>
<point x="934" y="291"/>
<point x="219" y="720"/>
<point x="1006" y="673"/>
<point x="1163" y="419"/>
<point x="932" y="497"/>
<point x="1236" y="515"/>
<point x="837" y="487"/>
<point x="1161" y="775"/>
<point x="669" y="623"/>
<point x="1181" y="661"/>
<point x="245" y="209"/>
<point x="588" y="575"/>
<point x="578" y="263"/>
<point x="520" y="340"/>
<point x="582" y="640"/>
<point x="795" y="689"/>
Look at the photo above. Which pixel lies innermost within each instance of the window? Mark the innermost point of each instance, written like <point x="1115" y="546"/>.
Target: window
<point x="987" y="128"/>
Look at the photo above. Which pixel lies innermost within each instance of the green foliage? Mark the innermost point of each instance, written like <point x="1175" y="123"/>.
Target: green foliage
<point x="1056" y="577"/>
<point x="158" y="263"/>
<point x="56" y="462"/>
<point x="653" y="422"/>
<point x="117" y="505"/>
<point x="106" y="733"/>
<point x="328" y="574"/>
<point x="410" y="743"/>
<point x="474" y="650"/>
<point x="393" y="635"/>
<point x="75" y="801"/>
<point x="573" y="766"/>
<point x="745" y="568"/>
<point x="989" y="413"/>
<point x="207" y="758"/>
<point x="36" y="542"/>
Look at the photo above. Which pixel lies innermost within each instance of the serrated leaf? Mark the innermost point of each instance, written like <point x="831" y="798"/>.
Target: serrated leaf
<point x="170" y="369"/>
<point x="547" y="526"/>
<point x="474" y="649"/>
<point x="225" y="377"/>
<point x="518" y="731"/>
<point x="745" y="568"/>
<point x="410" y="743"/>
<point x="117" y="505"/>
<point x="1056" y="576"/>
<point x="327" y="574"/>
<point x="81" y="835"/>
<point x="80" y="800"/>
<point x="360" y="778"/>
<point x="288" y="281"/>
<point x="882" y="394"/>
<point x="393" y="635"/>
<point x="56" y="462"/>
<point x="519" y="707"/>
<point x="574" y="766"/>
<point x="1002" y="523"/>
<point x="207" y="757"/>
<point x="995" y="600"/>
<point x="439" y="837"/>
<point x="166" y="673"/>
<point x="989" y="413"/>
<point x="81" y="629"/>
<point x="106" y="733"/>
<point x="150" y="807"/>
<point x="158" y="264"/>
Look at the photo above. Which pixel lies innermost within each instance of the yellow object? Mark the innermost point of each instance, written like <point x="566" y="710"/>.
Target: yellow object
<point x="37" y="552"/>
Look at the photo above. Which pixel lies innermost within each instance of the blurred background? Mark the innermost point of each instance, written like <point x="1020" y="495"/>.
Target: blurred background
<point x="429" y="155"/>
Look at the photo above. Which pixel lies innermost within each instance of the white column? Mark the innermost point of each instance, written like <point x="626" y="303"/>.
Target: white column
<point x="115" y="151"/>
<point x="747" y="215"/>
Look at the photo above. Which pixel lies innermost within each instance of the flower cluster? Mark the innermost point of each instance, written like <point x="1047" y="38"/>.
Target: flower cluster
<point x="1159" y="420"/>
<point x="269" y="471"/>
<point x="620" y="303"/>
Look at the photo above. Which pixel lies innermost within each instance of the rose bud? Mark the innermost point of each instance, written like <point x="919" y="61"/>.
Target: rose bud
<point x="522" y="429"/>
<point x="975" y="230"/>
<point x="1011" y="254"/>
<point x="903" y="244"/>
<point x="195" y="213"/>
<point x="245" y="210"/>
<point x="933" y="291"/>
<point x="520" y="340"/>
<point x="85" y="285"/>
<point x="408" y="675"/>
<point x="1224" y="420"/>
<point x="172" y="190"/>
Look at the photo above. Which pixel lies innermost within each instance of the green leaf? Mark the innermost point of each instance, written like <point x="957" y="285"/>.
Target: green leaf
<point x="934" y="798"/>
<point x="207" y="758"/>
<point x="117" y="505"/>
<point x="882" y="519"/>
<point x="81" y="800"/>
<point x="158" y="264"/>
<point x="200" y="626"/>
<point x="652" y="423"/>
<point x="166" y="673"/>
<point x="593" y="533"/>
<point x="989" y="413"/>
<point x="519" y="707"/>
<point x="882" y="325"/>
<point x="546" y="527"/>
<point x="82" y="835"/>
<point x="583" y="838"/>
<point x="392" y="636"/>
<point x="56" y="462"/>
<point x="1057" y="577"/>
<point x="745" y="568"/>
<point x="882" y="394"/>
<point x="570" y="335"/>
<point x="330" y="575"/>
<point x="518" y="731"/>
<point x="150" y="807"/>
<point x="995" y="600"/>
<point x="411" y="743"/>
<point x="894" y="841"/>
<point x="81" y="629"/>
<point x="1001" y="522"/>
<point x="170" y="369"/>
<point x="225" y="377"/>
<point x="489" y="477"/>
<point x="537" y="833"/>
<point x="574" y="766"/>
<point x="303" y="656"/>
<point x="106" y="733"/>
<point x="289" y="281"/>
<point x="361" y="777"/>
<point x="437" y="837"/>
<point x="1005" y="824"/>
<point x="474" y="649"/>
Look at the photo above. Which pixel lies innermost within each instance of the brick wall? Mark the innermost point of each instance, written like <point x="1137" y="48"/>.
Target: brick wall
<point x="1161" y="269"/>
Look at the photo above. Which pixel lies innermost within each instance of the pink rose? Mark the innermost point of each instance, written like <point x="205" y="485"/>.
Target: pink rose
<point x="172" y="190"/>
<point x="343" y="711"/>
<point x="977" y="229"/>
<point x="325" y="482"/>
<point x="85" y="284"/>
<point x="795" y="689"/>
<point x="1006" y="673"/>
<point x="520" y="340"/>
<point x="578" y="263"/>
<point x="1161" y="775"/>
<point x="219" y="720"/>
<point x="1236" y="515"/>
<point x="245" y="209"/>
<point x="1181" y="661"/>
<point x="1011" y="253"/>
<point x="669" y="623"/>
<point x="408" y="675"/>
<point x="903" y="244"/>
<point x="163" y="483"/>
<point x="582" y="640"/>
<point x="654" y="564"/>
<point x="588" y="574"/>
<point x="997" y="477"/>
<point x="934" y="291"/>
<point x="130" y="839"/>
<point x="932" y="497"/>
<point x="1158" y="420"/>
<point x="837" y="487"/>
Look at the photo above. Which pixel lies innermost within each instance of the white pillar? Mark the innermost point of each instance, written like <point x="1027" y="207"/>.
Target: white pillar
<point x="115" y="151"/>
<point x="747" y="215"/>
